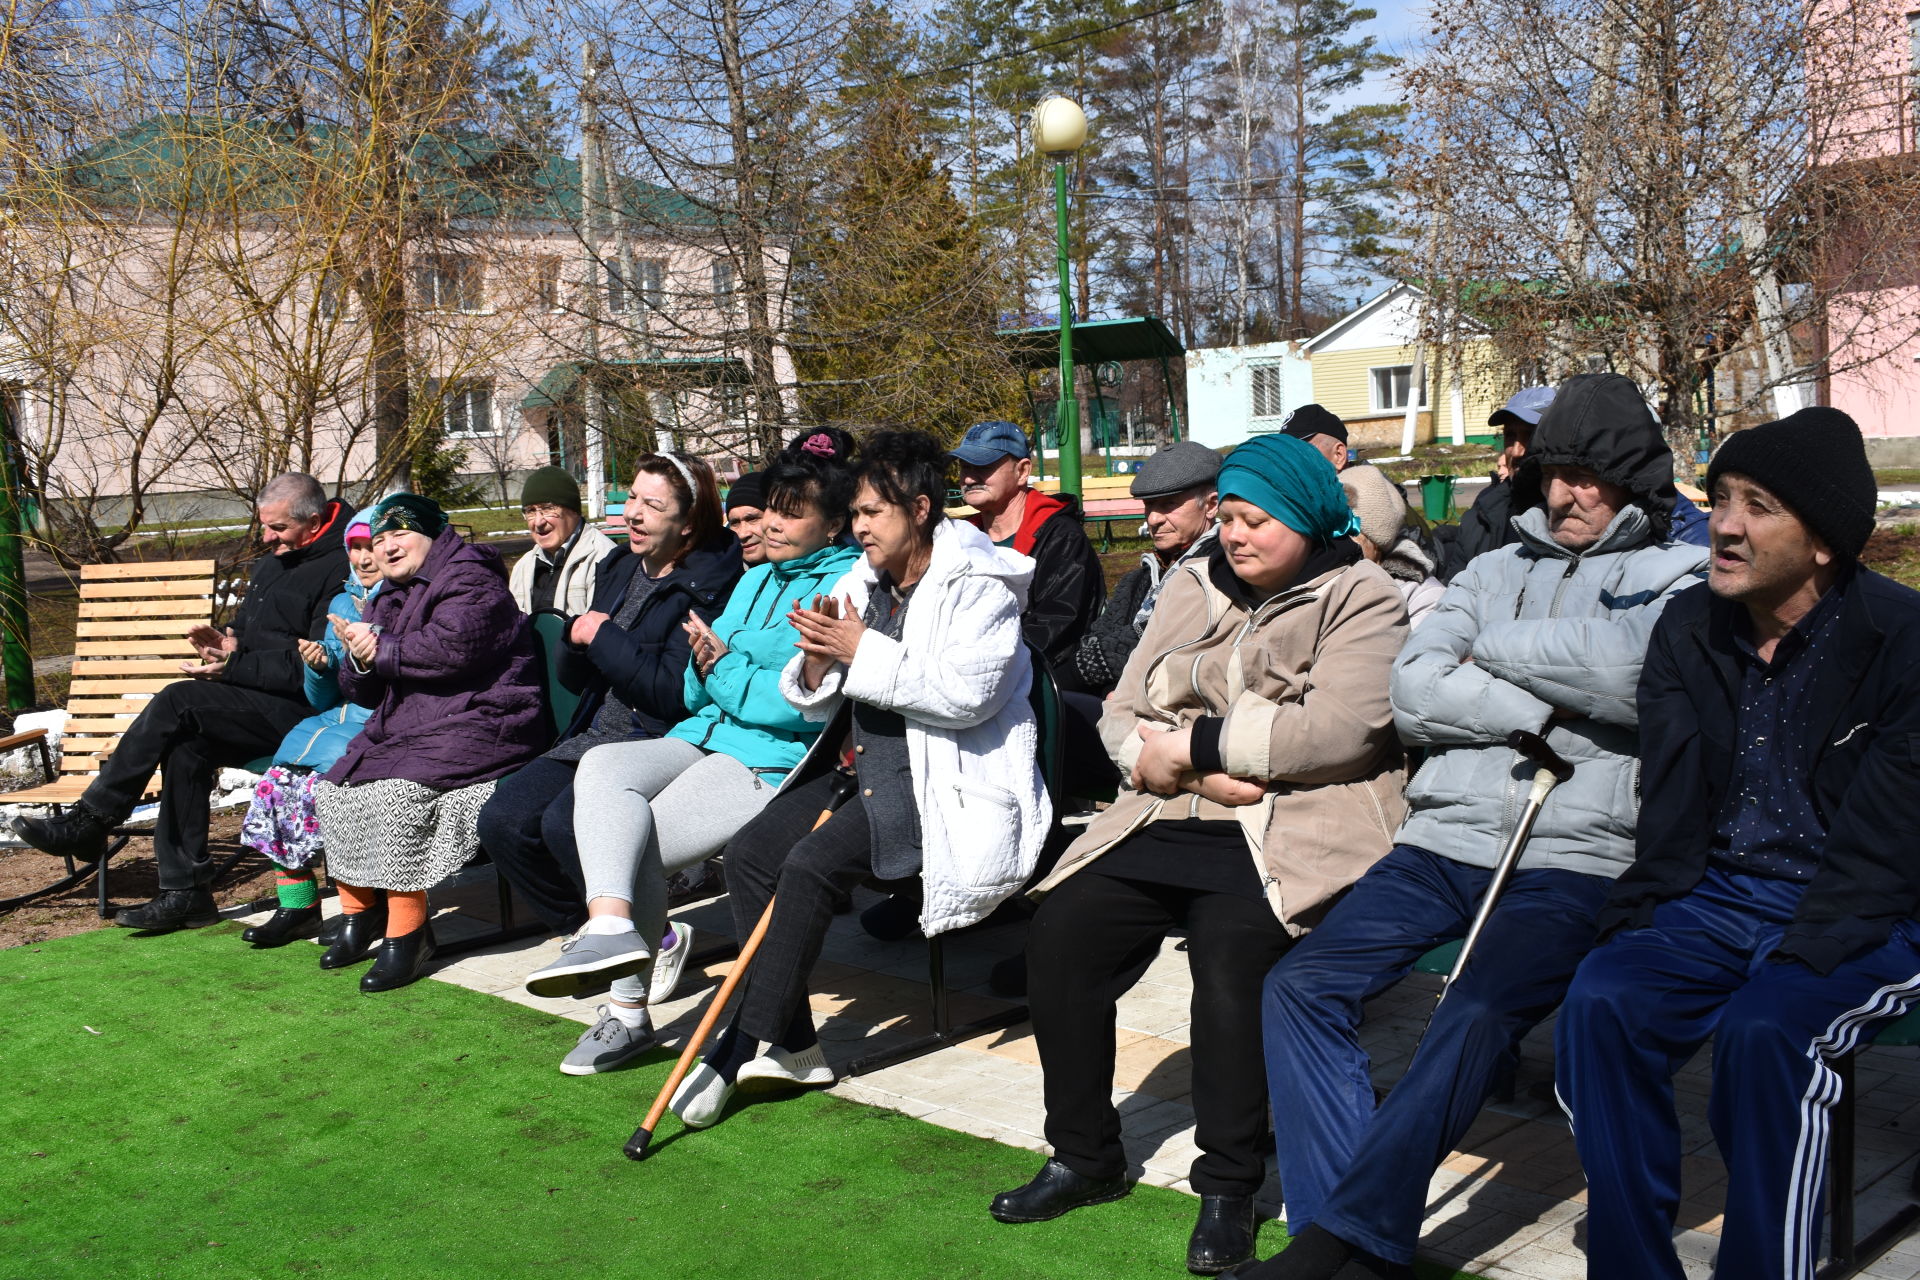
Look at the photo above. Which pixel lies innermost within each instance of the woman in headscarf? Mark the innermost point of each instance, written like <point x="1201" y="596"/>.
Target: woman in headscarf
<point x="445" y="659"/>
<point x="1264" y="776"/>
<point x="281" y="822"/>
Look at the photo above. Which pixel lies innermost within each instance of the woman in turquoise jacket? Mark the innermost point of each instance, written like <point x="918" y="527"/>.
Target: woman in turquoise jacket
<point x="281" y="822"/>
<point x="646" y="808"/>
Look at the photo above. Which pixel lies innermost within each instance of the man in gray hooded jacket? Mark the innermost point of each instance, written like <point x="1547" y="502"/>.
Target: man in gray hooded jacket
<point x="1546" y="634"/>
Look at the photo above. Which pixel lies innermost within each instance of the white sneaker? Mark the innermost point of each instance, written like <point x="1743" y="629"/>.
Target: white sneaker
<point x="779" y="1069"/>
<point x="669" y="964"/>
<point x="701" y="1097"/>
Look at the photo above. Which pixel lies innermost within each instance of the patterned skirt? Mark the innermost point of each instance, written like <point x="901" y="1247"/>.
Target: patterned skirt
<point x="399" y="835"/>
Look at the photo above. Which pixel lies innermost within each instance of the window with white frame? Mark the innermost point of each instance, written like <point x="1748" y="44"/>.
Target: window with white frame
<point x="452" y="282"/>
<point x="1265" y="383"/>
<point x="546" y="281"/>
<point x="466" y="408"/>
<point x="648" y="288"/>
<point x="1391" y="386"/>
<point x="724" y="297"/>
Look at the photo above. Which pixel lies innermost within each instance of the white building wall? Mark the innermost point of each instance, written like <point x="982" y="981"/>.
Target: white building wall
<point x="1220" y="390"/>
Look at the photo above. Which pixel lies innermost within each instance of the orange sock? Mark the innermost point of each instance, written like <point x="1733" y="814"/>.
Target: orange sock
<point x="354" y="899"/>
<point x="405" y="913"/>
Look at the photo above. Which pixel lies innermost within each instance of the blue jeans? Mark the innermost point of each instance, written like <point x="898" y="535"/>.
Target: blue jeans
<point x="1645" y="1002"/>
<point x="1362" y="1171"/>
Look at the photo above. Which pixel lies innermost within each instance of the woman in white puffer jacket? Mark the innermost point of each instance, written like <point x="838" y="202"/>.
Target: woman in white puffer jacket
<point x="918" y="667"/>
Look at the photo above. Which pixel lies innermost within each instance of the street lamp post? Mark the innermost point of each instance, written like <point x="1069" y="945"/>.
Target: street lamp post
<point x="1059" y="130"/>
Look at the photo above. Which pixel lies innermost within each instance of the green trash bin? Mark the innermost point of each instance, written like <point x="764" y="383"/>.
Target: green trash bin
<point x="1436" y="497"/>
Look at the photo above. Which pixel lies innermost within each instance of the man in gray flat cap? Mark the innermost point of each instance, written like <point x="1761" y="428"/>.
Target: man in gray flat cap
<point x="1176" y="485"/>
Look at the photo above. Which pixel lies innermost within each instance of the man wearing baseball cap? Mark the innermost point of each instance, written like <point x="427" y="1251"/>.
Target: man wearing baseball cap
<point x="1323" y="429"/>
<point x="1488" y="523"/>
<point x="995" y="465"/>
<point x="1773" y="896"/>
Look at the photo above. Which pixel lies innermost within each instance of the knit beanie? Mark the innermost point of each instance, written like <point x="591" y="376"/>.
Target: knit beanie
<point x="1816" y="463"/>
<point x="407" y="511"/>
<point x="551" y="484"/>
<point x="1377" y="503"/>
<point x="750" y="490"/>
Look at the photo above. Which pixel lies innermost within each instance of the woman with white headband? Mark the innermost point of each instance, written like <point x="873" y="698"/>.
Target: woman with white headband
<point x="627" y="656"/>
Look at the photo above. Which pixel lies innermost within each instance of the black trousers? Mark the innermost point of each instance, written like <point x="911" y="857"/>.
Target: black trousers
<point x="190" y="731"/>
<point x="1090" y="941"/>
<point x="526" y="827"/>
<point x="780" y="853"/>
<point x="1089" y="770"/>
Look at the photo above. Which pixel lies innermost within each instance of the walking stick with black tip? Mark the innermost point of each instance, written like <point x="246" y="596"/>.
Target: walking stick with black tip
<point x="1549" y="771"/>
<point x="636" y="1148"/>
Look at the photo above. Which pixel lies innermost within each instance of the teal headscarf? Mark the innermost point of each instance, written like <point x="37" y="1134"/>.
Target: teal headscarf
<point x="407" y="511"/>
<point x="1293" y="482"/>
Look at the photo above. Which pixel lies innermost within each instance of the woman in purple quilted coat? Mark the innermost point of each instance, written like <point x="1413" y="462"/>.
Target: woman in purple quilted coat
<point x="445" y="659"/>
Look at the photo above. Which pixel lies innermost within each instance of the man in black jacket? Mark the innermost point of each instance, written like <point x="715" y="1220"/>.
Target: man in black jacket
<point x="247" y="691"/>
<point x="1772" y="898"/>
<point x="1067" y="583"/>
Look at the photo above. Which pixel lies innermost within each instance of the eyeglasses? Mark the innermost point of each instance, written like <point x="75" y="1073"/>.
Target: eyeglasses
<point x="541" y="511"/>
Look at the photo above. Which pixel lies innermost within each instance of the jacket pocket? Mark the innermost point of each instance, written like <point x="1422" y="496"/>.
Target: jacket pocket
<point x="982" y="824"/>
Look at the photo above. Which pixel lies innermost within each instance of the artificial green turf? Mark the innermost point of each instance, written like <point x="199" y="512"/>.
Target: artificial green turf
<point x="185" y="1106"/>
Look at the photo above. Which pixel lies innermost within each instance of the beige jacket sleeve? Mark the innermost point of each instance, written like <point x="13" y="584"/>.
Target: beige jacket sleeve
<point x="1336" y="728"/>
<point x="1179" y="615"/>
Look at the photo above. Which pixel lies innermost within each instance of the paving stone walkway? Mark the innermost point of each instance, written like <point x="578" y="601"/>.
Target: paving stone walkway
<point x="1508" y="1205"/>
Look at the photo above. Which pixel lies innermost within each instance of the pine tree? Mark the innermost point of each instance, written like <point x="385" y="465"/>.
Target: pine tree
<point x="899" y="296"/>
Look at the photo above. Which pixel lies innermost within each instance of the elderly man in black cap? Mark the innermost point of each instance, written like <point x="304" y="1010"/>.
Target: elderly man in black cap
<point x="1773" y="896"/>
<point x="1323" y="429"/>
<point x="1175" y="486"/>
<point x="746" y="507"/>
<point x="558" y="572"/>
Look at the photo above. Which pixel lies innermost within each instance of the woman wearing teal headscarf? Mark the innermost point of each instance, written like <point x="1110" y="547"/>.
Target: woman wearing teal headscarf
<point x="1264" y="777"/>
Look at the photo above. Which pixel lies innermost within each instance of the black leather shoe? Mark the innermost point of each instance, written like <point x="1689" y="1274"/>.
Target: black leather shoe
<point x="172" y="909"/>
<point x="399" y="961"/>
<point x="356" y="939"/>
<point x="1223" y="1235"/>
<point x="79" y="833"/>
<point x="283" y="926"/>
<point x="1055" y="1190"/>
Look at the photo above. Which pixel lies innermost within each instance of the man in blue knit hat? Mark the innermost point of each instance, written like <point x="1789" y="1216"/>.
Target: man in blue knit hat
<point x="1772" y="900"/>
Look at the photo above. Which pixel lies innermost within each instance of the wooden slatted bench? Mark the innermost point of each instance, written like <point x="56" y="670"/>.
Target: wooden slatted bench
<point x="128" y="645"/>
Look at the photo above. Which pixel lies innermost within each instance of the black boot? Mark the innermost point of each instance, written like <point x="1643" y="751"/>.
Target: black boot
<point x="400" y="960"/>
<point x="356" y="939"/>
<point x="1223" y="1235"/>
<point x="172" y="909"/>
<point x="79" y="833"/>
<point x="330" y="929"/>
<point x="1055" y="1190"/>
<point x="283" y="926"/>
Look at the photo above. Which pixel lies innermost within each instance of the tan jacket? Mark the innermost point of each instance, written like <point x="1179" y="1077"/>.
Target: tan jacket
<point x="1302" y="684"/>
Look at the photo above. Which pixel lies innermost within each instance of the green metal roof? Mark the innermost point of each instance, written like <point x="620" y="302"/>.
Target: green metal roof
<point x="1094" y="341"/>
<point x="556" y="387"/>
<point x="189" y="161"/>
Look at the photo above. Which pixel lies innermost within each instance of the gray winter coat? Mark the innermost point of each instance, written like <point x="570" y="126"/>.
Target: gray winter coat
<point x="1521" y="632"/>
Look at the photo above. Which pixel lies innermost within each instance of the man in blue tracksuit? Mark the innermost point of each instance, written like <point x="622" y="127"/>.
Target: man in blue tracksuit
<point x="1545" y="634"/>
<point x="1771" y="900"/>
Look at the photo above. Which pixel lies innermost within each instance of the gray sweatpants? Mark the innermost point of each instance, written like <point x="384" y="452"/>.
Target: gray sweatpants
<point x="644" y="810"/>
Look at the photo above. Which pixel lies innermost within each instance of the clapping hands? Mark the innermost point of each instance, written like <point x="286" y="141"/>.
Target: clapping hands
<point x="708" y="648"/>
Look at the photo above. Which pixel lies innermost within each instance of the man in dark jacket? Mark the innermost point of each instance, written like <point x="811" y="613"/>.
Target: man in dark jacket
<point x="247" y="691"/>
<point x="1772" y="896"/>
<point x="1175" y="486"/>
<point x="1067" y="583"/>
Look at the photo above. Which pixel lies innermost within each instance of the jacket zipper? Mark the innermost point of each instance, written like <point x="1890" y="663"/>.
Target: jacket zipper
<point x="1510" y="813"/>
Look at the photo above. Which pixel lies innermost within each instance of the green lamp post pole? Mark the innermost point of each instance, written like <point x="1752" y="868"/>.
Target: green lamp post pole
<point x="1059" y="130"/>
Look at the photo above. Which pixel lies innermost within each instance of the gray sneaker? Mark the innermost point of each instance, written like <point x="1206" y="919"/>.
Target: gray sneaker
<point x="608" y="1044"/>
<point x="601" y="957"/>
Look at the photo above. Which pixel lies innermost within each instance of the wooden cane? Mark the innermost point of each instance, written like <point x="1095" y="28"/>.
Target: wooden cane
<point x="636" y="1148"/>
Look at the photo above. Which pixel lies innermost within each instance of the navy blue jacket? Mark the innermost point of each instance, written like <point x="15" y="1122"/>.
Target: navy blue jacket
<point x="647" y="662"/>
<point x="1866" y="773"/>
